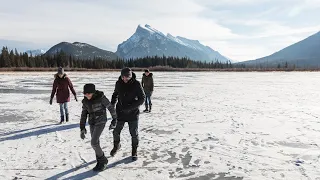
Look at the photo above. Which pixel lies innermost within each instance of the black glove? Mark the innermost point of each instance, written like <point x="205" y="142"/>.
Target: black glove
<point x="113" y="124"/>
<point x="50" y="101"/>
<point x="82" y="133"/>
<point x="75" y="97"/>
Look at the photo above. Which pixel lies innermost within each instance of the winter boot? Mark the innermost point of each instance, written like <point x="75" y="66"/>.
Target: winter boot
<point x="150" y="107"/>
<point x="97" y="165"/>
<point x="146" y="110"/>
<point x="134" y="154"/>
<point x="67" y="117"/>
<point x="116" y="147"/>
<point x="102" y="163"/>
<point x="62" y="119"/>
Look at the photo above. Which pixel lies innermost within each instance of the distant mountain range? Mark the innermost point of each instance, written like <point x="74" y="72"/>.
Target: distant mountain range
<point x="305" y="53"/>
<point x="148" y="41"/>
<point x="35" y="52"/>
<point x="81" y="51"/>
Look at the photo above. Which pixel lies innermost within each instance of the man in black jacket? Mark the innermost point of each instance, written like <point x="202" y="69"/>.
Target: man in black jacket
<point x="130" y="95"/>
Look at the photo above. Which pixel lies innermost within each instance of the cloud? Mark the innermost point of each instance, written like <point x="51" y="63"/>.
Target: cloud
<point x="243" y="29"/>
<point x="262" y="27"/>
<point x="303" y="6"/>
<point x="111" y="22"/>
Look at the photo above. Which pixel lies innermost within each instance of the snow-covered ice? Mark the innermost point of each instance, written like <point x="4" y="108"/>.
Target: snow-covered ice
<point x="203" y="126"/>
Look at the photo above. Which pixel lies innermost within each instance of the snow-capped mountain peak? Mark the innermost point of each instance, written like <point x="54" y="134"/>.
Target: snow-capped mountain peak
<point x="176" y="39"/>
<point x="144" y="29"/>
<point x="153" y="29"/>
<point x="148" y="41"/>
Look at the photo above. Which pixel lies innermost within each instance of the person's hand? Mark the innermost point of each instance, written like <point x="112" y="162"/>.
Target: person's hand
<point x="113" y="124"/>
<point x="82" y="133"/>
<point x="50" y="102"/>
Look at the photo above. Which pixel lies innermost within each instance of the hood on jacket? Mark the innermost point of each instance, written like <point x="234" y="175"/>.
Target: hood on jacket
<point x="96" y="95"/>
<point x="150" y="74"/>
<point x="57" y="76"/>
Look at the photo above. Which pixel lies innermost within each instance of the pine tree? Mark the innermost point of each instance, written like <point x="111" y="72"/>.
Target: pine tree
<point x="5" y="59"/>
<point x="12" y="59"/>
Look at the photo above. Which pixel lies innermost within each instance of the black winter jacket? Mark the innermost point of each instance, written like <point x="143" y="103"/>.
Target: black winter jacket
<point x="128" y="96"/>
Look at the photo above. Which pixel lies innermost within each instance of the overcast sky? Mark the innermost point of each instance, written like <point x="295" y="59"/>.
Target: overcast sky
<point x="238" y="29"/>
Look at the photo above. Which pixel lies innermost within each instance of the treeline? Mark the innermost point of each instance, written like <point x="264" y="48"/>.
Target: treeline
<point x="12" y="58"/>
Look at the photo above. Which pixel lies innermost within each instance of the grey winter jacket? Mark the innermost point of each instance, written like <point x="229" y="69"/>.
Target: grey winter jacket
<point x="96" y="109"/>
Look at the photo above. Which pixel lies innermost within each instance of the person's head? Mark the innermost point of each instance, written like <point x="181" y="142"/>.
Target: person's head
<point x="146" y="72"/>
<point x="60" y="72"/>
<point x="89" y="90"/>
<point x="126" y="74"/>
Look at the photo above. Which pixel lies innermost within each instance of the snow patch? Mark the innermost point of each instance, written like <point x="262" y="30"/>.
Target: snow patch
<point x="81" y="45"/>
<point x="153" y="29"/>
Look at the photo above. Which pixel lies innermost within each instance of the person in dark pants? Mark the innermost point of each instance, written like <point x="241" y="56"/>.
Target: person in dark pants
<point x="129" y="95"/>
<point x="147" y="84"/>
<point x="95" y="104"/>
<point x="61" y="86"/>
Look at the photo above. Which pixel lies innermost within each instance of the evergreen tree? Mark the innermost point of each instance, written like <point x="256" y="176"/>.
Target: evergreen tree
<point x="4" y="58"/>
<point x="12" y="59"/>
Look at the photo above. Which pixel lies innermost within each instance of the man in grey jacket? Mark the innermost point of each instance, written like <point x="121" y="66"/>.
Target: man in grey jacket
<point x="95" y="104"/>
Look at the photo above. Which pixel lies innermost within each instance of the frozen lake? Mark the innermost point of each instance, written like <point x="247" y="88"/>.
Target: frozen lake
<point x="204" y="125"/>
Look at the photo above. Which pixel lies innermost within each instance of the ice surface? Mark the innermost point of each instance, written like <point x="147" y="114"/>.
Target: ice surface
<point x="203" y="126"/>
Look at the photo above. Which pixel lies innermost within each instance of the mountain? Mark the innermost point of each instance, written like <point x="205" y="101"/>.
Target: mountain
<point x="81" y="51"/>
<point x="147" y="41"/>
<point x="305" y="53"/>
<point x="35" y="52"/>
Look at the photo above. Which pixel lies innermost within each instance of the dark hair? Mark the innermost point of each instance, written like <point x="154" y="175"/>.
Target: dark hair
<point x="146" y="70"/>
<point x="127" y="72"/>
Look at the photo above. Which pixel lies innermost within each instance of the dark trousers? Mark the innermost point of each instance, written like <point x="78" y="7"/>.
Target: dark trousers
<point x="133" y="128"/>
<point x="96" y="131"/>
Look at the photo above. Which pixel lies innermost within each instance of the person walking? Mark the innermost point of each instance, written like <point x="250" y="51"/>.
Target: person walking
<point x="95" y="104"/>
<point x="128" y="95"/>
<point x="147" y="84"/>
<point x="61" y="86"/>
